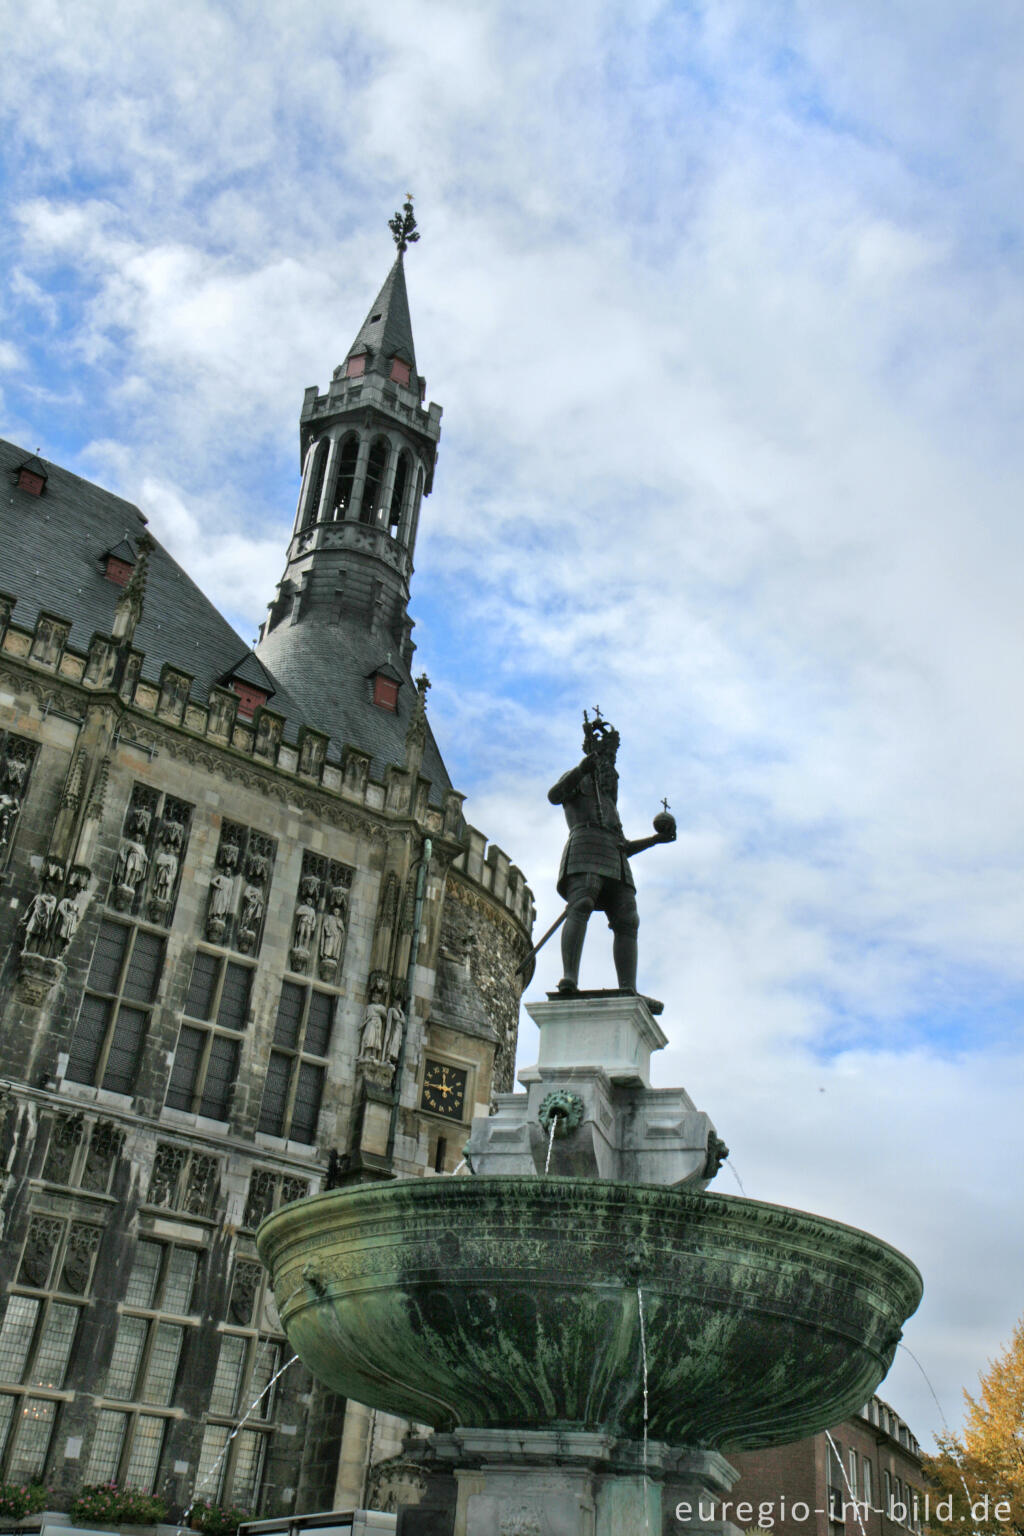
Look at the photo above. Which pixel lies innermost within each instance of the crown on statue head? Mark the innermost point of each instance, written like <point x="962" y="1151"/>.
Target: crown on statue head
<point x="598" y="733"/>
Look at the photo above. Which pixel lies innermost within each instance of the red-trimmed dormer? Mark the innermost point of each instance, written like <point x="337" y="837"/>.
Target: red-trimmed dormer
<point x="120" y="562"/>
<point x="31" y="476"/>
<point x="253" y="684"/>
<point x="385" y="682"/>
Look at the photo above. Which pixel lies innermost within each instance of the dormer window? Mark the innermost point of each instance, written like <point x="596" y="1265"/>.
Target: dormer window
<point x="385" y="693"/>
<point x="31" y="477"/>
<point x="249" y="698"/>
<point x="251" y="683"/>
<point x="400" y="372"/>
<point x="120" y="562"/>
<point x="356" y="366"/>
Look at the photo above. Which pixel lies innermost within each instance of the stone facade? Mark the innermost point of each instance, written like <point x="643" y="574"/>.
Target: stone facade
<point x="229" y="948"/>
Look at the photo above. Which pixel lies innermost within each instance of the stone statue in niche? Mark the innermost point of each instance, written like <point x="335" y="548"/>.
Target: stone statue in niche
<point x="393" y="1033"/>
<point x="9" y="809"/>
<point x="332" y="938"/>
<point x="36" y="922"/>
<point x="305" y="926"/>
<point x="375" y="1023"/>
<point x="65" y="922"/>
<point x="219" y="908"/>
<point x="130" y="870"/>
<point x="165" y="872"/>
<point x="249" y="918"/>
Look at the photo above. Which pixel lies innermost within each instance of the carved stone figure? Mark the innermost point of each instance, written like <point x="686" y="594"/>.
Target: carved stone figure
<point x="220" y="902"/>
<point x="165" y="872"/>
<point x="595" y="873"/>
<point x="36" y="922"/>
<point x="8" y="811"/>
<point x="332" y="940"/>
<point x="375" y="1023"/>
<point x="249" y="919"/>
<point x="65" y="923"/>
<point x="394" y="1031"/>
<point x="305" y="924"/>
<point x="129" y="872"/>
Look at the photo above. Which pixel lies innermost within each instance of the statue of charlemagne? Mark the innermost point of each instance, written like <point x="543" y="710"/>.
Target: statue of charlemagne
<point x="595" y="873"/>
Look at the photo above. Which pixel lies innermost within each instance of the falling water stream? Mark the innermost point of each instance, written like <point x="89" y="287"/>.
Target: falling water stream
<point x="643" y="1359"/>
<point x="851" y="1490"/>
<point x="551" y="1142"/>
<point x="227" y="1444"/>
<point x="942" y="1416"/>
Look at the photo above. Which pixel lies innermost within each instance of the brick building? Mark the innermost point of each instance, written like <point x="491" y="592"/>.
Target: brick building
<point x="248" y="943"/>
<point x="873" y="1461"/>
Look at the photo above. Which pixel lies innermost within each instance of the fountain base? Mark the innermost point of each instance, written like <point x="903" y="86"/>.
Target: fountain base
<point x="493" y="1482"/>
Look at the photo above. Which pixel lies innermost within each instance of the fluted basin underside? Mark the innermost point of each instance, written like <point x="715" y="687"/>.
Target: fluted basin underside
<point x="512" y="1303"/>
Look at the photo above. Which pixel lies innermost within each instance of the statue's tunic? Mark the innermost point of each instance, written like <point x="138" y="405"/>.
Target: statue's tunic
<point x="596" y="843"/>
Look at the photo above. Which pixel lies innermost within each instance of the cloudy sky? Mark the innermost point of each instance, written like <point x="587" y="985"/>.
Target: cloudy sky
<point x="724" y="305"/>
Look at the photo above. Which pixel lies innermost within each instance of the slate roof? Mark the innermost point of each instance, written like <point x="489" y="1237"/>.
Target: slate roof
<point x="390" y="333"/>
<point x="52" y="559"/>
<point x="328" y="667"/>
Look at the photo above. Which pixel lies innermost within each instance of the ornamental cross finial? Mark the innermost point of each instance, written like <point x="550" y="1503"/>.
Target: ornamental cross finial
<point x="597" y="712"/>
<point x="403" y="226"/>
<point x="665" y="804"/>
<point x="422" y="684"/>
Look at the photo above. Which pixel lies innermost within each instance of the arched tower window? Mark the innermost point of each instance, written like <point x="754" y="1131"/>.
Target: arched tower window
<point x="347" y="460"/>
<point x="376" y="466"/>
<point x="398" y="493"/>
<point x="316" y="483"/>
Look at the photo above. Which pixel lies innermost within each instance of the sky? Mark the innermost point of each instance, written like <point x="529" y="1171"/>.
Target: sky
<point x="724" y="305"/>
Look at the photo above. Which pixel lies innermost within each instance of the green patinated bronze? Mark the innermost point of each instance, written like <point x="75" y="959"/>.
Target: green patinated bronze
<point x="512" y="1303"/>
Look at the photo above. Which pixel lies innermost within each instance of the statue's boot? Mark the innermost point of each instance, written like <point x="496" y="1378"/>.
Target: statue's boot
<point x="574" y="931"/>
<point x="624" y="955"/>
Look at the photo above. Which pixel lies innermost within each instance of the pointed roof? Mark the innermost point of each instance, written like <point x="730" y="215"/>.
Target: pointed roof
<point x="249" y="669"/>
<point x="387" y="329"/>
<point x="123" y="550"/>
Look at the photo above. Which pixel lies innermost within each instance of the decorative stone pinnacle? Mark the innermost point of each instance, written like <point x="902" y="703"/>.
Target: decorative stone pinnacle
<point x="403" y="226"/>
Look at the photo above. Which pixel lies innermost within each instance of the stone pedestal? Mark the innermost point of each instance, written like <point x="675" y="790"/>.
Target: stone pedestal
<point x="592" y="1082"/>
<point x="614" y="1031"/>
<point x="568" y="1483"/>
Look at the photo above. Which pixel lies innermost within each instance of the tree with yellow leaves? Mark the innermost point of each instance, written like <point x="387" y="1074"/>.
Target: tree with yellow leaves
<point x="978" y="1476"/>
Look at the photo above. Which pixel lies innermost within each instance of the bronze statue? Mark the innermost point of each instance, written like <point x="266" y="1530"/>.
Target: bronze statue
<point x="595" y="873"/>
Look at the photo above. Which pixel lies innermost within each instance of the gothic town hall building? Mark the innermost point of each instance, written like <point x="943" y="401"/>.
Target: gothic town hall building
<point x="249" y="947"/>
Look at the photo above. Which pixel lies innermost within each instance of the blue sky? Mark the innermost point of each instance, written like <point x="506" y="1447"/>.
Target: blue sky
<point x="724" y="306"/>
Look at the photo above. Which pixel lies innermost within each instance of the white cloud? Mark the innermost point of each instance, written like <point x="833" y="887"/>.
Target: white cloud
<point x="724" y="307"/>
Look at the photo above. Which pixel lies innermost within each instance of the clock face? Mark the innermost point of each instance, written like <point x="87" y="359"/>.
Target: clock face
<point x="444" y="1089"/>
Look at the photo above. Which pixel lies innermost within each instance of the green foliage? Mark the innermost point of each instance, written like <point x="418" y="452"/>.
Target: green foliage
<point x="213" y="1520"/>
<point x="20" y="1499"/>
<point x="107" y="1504"/>
<point x="978" y="1476"/>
